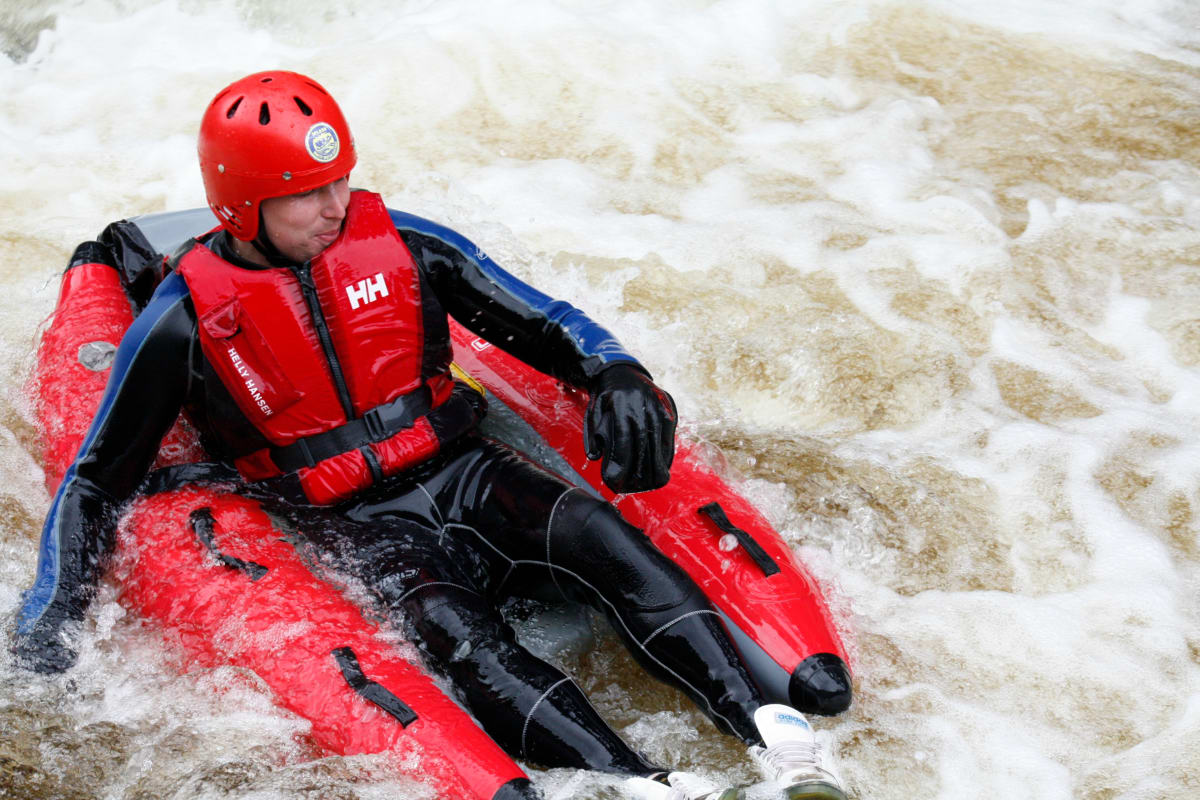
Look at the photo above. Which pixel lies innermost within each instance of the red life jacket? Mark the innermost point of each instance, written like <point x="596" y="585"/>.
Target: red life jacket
<point x="294" y="351"/>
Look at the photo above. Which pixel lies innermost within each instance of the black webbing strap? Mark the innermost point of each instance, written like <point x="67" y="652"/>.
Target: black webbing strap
<point x="374" y="426"/>
<point x="204" y="526"/>
<point x="371" y="691"/>
<point x="176" y="476"/>
<point x="764" y="561"/>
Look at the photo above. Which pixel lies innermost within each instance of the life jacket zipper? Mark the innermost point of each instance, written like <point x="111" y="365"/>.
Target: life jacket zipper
<point x="304" y="275"/>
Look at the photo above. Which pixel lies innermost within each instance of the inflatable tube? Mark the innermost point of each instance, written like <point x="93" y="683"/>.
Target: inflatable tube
<point x="770" y="604"/>
<point x="211" y="570"/>
<point x="228" y="589"/>
<point x="236" y="592"/>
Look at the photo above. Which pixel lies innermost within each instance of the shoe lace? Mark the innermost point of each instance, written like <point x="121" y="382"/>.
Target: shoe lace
<point x="793" y="757"/>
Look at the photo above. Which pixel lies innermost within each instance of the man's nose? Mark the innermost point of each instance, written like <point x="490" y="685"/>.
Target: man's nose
<point x="331" y="202"/>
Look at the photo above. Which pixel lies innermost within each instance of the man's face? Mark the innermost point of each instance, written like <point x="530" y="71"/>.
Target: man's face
<point x="302" y="225"/>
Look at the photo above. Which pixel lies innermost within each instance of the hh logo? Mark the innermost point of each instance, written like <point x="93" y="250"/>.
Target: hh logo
<point x="368" y="290"/>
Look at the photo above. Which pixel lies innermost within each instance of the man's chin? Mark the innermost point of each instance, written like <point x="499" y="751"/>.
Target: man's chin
<point x="303" y="254"/>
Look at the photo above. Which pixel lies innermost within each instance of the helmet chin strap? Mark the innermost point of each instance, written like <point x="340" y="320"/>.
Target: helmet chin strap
<point x="266" y="248"/>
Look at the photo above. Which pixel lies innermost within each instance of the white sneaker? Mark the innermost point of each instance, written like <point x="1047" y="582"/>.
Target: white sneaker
<point x="792" y="757"/>
<point x="683" y="786"/>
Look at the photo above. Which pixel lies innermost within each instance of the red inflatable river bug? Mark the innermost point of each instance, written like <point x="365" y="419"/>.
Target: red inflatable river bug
<point x="211" y="569"/>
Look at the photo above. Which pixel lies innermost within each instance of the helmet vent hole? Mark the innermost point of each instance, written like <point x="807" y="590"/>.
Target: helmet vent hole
<point x="264" y="115"/>
<point x="304" y="109"/>
<point x="233" y="108"/>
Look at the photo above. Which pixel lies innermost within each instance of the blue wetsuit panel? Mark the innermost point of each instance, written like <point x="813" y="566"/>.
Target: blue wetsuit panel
<point x="46" y="585"/>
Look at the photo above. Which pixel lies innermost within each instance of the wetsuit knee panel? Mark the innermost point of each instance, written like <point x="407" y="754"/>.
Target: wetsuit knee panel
<point x="588" y="537"/>
<point x="445" y="619"/>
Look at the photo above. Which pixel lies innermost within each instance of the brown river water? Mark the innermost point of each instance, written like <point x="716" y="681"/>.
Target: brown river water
<point x="926" y="275"/>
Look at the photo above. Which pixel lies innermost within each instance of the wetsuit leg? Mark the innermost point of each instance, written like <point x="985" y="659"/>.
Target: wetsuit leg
<point x="433" y="582"/>
<point x="528" y="706"/>
<point x="541" y="532"/>
<point x="664" y="618"/>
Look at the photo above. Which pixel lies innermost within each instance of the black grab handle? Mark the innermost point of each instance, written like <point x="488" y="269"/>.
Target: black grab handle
<point x="204" y="526"/>
<point x="371" y="691"/>
<point x="764" y="561"/>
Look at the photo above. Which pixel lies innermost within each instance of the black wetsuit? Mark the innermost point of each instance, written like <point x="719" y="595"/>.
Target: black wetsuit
<point x="442" y="544"/>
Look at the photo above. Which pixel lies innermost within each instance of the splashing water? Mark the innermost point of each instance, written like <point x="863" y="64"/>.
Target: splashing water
<point x="927" y="273"/>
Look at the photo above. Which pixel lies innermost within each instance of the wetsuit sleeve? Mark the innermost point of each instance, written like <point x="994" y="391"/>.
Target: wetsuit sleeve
<point x="145" y="392"/>
<point x="550" y="335"/>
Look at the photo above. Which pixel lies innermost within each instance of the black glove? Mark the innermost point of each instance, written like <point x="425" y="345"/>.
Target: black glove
<point x="43" y="650"/>
<point x="631" y="423"/>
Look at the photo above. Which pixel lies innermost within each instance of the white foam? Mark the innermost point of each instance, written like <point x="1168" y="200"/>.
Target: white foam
<point x="1008" y="518"/>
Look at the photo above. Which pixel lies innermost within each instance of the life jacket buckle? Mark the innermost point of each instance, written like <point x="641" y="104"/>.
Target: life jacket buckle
<point x="377" y="430"/>
<point x="305" y="453"/>
<point x="388" y="419"/>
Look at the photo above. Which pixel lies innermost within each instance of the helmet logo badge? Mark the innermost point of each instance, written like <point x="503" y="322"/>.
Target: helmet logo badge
<point x="321" y="141"/>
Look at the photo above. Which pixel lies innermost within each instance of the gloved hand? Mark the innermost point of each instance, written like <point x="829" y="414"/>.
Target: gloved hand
<point x="630" y="422"/>
<point x="42" y="650"/>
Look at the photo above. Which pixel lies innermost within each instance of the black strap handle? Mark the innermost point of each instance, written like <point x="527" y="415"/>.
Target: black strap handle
<point x="371" y="691"/>
<point x="755" y="550"/>
<point x="204" y="526"/>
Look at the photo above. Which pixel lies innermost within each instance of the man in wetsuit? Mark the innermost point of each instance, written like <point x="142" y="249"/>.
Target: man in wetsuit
<point x="307" y="340"/>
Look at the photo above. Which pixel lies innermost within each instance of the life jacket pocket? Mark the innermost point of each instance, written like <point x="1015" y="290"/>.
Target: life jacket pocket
<point x="247" y="366"/>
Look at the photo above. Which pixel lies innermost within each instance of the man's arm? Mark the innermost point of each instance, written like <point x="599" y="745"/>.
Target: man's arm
<point x="630" y="422"/>
<point x="550" y="335"/>
<point x="145" y="392"/>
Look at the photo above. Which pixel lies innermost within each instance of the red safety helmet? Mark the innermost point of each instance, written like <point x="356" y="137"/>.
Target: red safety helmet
<point x="267" y="135"/>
